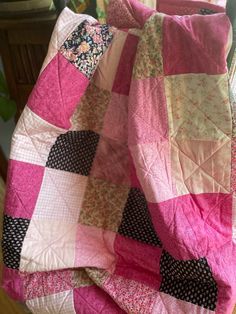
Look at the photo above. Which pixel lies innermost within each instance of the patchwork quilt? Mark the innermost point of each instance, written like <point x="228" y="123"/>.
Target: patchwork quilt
<point x="122" y="174"/>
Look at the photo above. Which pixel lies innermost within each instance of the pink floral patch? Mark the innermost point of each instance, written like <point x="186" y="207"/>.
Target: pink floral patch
<point x="40" y="284"/>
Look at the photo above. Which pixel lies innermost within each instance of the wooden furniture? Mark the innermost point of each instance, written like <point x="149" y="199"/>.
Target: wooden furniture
<point x="23" y="47"/>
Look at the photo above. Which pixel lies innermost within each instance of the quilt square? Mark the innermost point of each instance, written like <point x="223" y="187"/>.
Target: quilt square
<point x="95" y="248"/>
<point x="89" y="114"/>
<point x="111" y="162"/>
<point x="190" y="110"/>
<point x="14" y="231"/>
<point x="201" y="166"/>
<point x="61" y="196"/>
<point x="117" y="116"/>
<point x="148" y="62"/>
<point x="12" y="283"/>
<point x="40" y="284"/>
<point x="153" y="168"/>
<point x="195" y="53"/>
<point x="33" y="138"/>
<point x="189" y="280"/>
<point x="58" y="303"/>
<point x="192" y="226"/>
<point x="133" y="296"/>
<point x="80" y="278"/>
<point x="107" y="67"/>
<point x="23" y="186"/>
<point x="74" y="152"/>
<point x="103" y="204"/>
<point x="136" y="221"/>
<point x="85" y="46"/>
<point x="55" y="93"/>
<point x="148" y="117"/>
<point x="48" y="245"/>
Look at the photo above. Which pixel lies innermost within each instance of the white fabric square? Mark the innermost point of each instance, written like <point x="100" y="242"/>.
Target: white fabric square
<point x="33" y="138"/>
<point x="48" y="245"/>
<point x="60" y="303"/>
<point x="61" y="195"/>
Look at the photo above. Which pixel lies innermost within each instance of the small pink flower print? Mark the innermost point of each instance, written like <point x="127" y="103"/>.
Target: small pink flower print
<point x="97" y="39"/>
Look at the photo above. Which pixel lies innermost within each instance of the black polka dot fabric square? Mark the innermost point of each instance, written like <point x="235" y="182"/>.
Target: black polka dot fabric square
<point x="191" y="281"/>
<point x="74" y="151"/>
<point x="14" y="231"/>
<point x="136" y="221"/>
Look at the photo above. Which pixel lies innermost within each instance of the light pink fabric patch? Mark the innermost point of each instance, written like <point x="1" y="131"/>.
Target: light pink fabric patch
<point x="124" y="72"/>
<point x="23" y="186"/>
<point x="181" y="56"/>
<point x="93" y="300"/>
<point x="55" y="93"/>
<point x="153" y="168"/>
<point x="193" y="226"/>
<point x="138" y="261"/>
<point x="95" y="248"/>
<point x="40" y="284"/>
<point x="12" y="283"/>
<point x="148" y="119"/>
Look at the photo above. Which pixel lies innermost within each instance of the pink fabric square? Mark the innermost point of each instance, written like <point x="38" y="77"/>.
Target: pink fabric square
<point x="95" y="248"/>
<point x="23" y="186"/>
<point x="55" y="97"/>
<point x="138" y="261"/>
<point x="41" y="284"/>
<point x="115" y="125"/>
<point x="12" y="283"/>
<point x="202" y="51"/>
<point x="223" y="269"/>
<point x="193" y="226"/>
<point x="148" y="119"/>
<point x="111" y="162"/>
<point x="124" y="72"/>
<point x="93" y="300"/>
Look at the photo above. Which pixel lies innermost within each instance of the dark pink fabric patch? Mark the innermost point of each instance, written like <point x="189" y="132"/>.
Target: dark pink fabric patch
<point x="93" y="300"/>
<point x="23" y="186"/>
<point x="124" y="72"/>
<point x="192" y="226"/>
<point x="138" y="261"/>
<point x="195" y="44"/>
<point x="57" y="92"/>
<point x="13" y="283"/>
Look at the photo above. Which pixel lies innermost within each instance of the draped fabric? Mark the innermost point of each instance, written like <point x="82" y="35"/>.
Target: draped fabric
<point x="121" y="182"/>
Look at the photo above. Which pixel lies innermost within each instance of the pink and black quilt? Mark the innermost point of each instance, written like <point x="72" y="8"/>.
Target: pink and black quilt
<point x="121" y="182"/>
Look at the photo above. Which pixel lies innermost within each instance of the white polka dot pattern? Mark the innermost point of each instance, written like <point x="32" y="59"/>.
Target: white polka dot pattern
<point x="191" y="281"/>
<point x="74" y="152"/>
<point x="136" y="221"/>
<point x="14" y="231"/>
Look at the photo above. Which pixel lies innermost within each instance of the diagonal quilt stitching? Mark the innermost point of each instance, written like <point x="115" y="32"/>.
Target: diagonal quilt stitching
<point x="199" y="166"/>
<point x="49" y="245"/>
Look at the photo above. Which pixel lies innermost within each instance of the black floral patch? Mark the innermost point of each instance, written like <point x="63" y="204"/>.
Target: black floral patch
<point x="14" y="231"/>
<point x="74" y="151"/>
<point x="136" y="221"/>
<point x="191" y="281"/>
<point x="85" y="46"/>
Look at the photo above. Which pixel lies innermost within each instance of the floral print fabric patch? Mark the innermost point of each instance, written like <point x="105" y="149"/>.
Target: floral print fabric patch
<point x="85" y="46"/>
